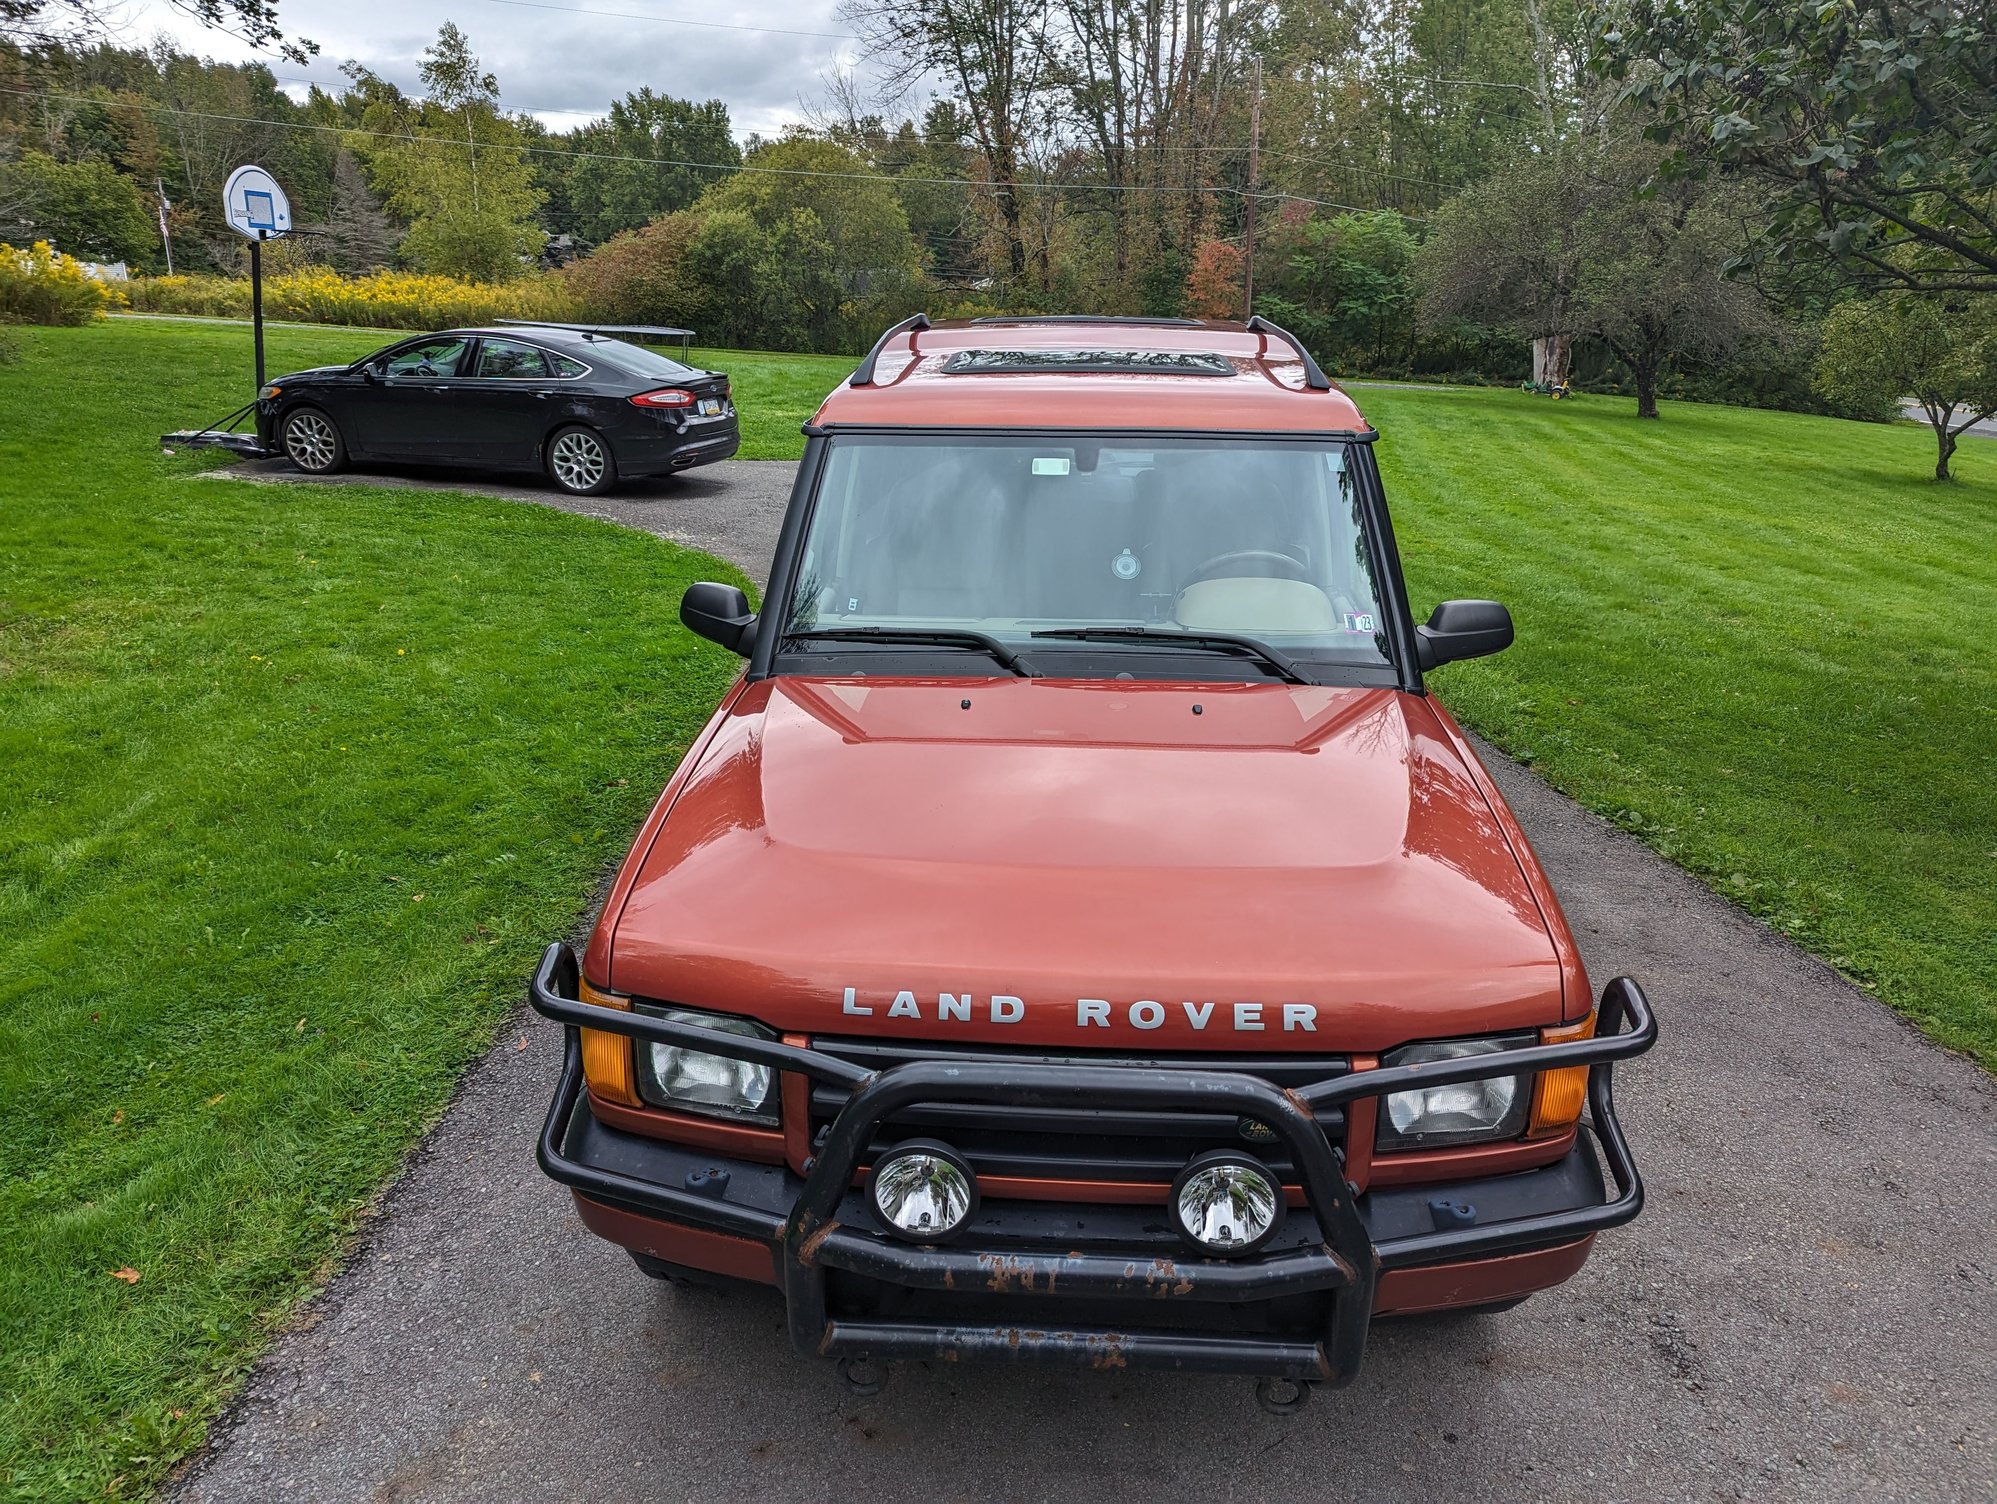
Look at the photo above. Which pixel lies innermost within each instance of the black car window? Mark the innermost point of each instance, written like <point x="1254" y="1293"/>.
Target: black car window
<point x="566" y="367"/>
<point x="434" y="357"/>
<point x="509" y="360"/>
<point x="640" y="361"/>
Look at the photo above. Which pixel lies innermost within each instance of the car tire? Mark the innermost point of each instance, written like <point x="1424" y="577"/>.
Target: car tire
<point x="312" y="441"/>
<point x="580" y="462"/>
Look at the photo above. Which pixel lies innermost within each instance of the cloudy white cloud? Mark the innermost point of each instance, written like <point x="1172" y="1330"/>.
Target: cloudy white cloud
<point x="563" y="60"/>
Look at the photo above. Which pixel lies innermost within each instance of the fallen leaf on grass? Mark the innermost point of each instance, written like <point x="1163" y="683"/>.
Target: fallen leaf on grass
<point x="217" y="1098"/>
<point x="299" y="1027"/>
<point x="128" y="1274"/>
<point x="117" y="1117"/>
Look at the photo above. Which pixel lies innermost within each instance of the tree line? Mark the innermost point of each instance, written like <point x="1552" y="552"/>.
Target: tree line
<point x="1701" y="196"/>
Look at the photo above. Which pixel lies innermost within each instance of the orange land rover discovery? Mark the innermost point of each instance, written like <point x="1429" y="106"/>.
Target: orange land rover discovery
<point x="1080" y="935"/>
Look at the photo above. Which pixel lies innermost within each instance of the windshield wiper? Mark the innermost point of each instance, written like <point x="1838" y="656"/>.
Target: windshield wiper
<point x="940" y="637"/>
<point x="1248" y="647"/>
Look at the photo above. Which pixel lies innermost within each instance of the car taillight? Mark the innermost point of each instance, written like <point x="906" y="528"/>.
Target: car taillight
<point x="665" y="396"/>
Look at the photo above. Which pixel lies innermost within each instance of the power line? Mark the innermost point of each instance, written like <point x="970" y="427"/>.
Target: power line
<point x="722" y="167"/>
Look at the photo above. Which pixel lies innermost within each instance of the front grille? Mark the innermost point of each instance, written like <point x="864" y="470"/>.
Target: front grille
<point x="1069" y="1143"/>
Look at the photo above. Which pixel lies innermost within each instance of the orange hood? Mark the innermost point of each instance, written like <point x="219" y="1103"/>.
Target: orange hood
<point x="1088" y="864"/>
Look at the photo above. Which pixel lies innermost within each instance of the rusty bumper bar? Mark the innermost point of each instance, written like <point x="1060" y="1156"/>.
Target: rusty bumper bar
<point x="1342" y="1262"/>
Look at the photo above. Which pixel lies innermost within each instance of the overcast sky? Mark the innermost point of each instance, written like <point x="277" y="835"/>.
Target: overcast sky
<point x="554" y="58"/>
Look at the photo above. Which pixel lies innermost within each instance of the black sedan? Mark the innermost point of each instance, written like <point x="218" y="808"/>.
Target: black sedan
<point x="578" y="404"/>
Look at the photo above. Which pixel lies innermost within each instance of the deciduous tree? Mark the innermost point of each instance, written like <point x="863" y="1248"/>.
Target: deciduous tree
<point x="1872" y="123"/>
<point x="1566" y="242"/>
<point x="1941" y="351"/>
<point x="452" y="165"/>
<point x="634" y="164"/>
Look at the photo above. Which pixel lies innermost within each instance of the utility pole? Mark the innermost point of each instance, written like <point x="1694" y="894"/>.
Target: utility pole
<point x="1254" y="191"/>
<point x="165" y="238"/>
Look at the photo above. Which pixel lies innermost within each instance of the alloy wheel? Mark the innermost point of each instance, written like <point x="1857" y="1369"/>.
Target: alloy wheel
<point x="310" y="441"/>
<point x="578" y="461"/>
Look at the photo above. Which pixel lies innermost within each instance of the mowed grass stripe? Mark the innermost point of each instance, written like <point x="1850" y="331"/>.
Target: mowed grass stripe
<point x="1763" y="641"/>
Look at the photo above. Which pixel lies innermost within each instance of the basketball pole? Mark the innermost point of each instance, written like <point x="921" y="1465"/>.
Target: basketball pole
<point x="256" y="301"/>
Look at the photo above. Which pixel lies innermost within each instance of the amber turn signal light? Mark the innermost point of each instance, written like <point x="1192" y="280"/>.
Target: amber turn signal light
<point x="1557" y="1099"/>
<point x="606" y="1057"/>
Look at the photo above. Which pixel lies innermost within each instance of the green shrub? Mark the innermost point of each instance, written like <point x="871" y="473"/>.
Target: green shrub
<point x="43" y="286"/>
<point x="209" y="297"/>
<point x="380" y="300"/>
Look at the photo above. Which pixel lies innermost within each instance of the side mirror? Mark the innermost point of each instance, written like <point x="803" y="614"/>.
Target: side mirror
<point x="1463" y="629"/>
<point x="371" y="369"/>
<point x="720" y="613"/>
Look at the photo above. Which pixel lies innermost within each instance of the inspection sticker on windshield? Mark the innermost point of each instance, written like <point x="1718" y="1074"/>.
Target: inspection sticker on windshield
<point x="1359" y="621"/>
<point x="1053" y="466"/>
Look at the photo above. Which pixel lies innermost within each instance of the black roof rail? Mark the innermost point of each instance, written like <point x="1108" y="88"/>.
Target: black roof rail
<point x="1314" y="376"/>
<point x="864" y="376"/>
<point x="1132" y="319"/>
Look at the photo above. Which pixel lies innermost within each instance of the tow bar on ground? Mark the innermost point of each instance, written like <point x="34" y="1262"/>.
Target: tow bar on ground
<point x="218" y="435"/>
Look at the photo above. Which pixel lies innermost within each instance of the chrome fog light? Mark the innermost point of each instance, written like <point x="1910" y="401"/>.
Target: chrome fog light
<point x="923" y="1191"/>
<point x="1226" y="1203"/>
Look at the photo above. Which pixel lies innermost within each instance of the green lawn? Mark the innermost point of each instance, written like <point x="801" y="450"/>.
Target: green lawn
<point x="294" y="785"/>
<point x="1764" y="642"/>
<point x="295" y="782"/>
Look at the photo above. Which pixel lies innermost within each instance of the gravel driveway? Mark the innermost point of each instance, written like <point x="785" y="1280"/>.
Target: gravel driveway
<point x="1806" y="1310"/>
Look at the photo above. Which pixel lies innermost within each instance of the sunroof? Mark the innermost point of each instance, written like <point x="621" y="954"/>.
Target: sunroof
<point x="1124" y="362"/>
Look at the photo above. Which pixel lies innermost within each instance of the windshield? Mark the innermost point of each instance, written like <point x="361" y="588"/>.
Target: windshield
<point x="1011" y="537"/>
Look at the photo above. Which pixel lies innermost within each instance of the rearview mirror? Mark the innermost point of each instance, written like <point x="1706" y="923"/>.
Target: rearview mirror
<point x="1463" y="629"/>
<point x="720" y="613"/>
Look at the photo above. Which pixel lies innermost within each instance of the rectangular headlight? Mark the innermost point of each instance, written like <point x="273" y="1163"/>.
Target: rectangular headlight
<point x="1469" y="1112"/>
<point x="714" y="1086"/>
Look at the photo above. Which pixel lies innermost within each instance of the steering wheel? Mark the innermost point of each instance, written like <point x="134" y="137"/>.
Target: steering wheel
<point x="1270" y="564"/>
<point x="424" y="368"/>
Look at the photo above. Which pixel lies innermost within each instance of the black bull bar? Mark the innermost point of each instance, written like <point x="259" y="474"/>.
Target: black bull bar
<point x="810" y="1241"/>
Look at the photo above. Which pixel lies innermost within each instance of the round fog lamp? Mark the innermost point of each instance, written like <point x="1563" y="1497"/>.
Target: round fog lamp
<point x="1227" y="1204"/>
<point x="923" y="1191"/>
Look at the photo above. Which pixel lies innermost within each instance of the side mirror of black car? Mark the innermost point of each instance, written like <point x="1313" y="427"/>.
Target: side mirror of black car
<point x="720" y="613"/>
<point x="371" y="370"/>
<point x="1463" y="629"/>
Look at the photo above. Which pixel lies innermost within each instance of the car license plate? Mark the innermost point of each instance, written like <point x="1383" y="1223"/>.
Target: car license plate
<point x="710" y="407"/>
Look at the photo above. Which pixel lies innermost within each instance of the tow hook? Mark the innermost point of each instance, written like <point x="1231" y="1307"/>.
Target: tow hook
<point x="1282" y="1396"/>
<point x="862" y="1376"/>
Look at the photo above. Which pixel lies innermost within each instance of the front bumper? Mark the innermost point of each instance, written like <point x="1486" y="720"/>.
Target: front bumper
<point x="1313" y="1288"/>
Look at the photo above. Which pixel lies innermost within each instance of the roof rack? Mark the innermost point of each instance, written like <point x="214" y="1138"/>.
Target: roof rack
<point x="1314" y="376"/>
<point x="1134" y="320"/>
<point x="655" y="331"/>
<point x="864" y="376"/>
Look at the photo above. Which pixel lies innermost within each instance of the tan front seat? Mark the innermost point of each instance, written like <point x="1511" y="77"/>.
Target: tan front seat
<point x="1255" y="606"/>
